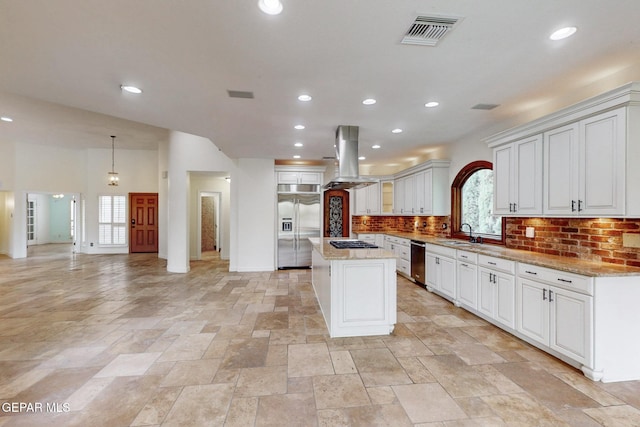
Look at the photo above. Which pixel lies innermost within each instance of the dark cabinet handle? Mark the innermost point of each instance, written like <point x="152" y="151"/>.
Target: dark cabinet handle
<point x="573" y="206"/>
<point x="531" y="272"/>
<point x="564" y="280"/>
<point x="491" y="263"/>
<point x="579" y="205"/>
<point x="550" y="295"/>
<point x="544" y="295"/>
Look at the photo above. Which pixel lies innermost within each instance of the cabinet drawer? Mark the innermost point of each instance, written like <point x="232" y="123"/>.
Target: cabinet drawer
<point x="404" y="252"/>
<point x="557" y="278"/>
<point x="366" y="237"/>
<point x="497" y="263"/>
<point x="468" y="257"/>
<point x="404" y="267"/>
<point x="441" y="250"/>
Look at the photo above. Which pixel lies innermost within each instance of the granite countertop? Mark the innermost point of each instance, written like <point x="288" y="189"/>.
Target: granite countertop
<point x="328" y="252"/>
<point x="570" y="265"/>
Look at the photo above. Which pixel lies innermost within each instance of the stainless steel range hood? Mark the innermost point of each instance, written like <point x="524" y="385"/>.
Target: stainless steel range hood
<point x="347" y="156"/>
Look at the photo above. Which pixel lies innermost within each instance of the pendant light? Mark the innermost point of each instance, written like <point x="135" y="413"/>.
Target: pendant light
<point x="113" y="176"/>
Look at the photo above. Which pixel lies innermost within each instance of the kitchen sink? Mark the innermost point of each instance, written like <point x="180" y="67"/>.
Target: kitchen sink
<point x="456" y="242"/>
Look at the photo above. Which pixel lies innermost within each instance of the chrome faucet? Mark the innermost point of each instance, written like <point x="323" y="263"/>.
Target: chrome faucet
<point x="471" y="238"/>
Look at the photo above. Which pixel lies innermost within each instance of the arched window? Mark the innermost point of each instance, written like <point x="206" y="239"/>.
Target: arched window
<point x="472" y="203"/>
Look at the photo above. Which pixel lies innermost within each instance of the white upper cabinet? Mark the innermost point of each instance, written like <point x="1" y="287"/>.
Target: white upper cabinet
<point x="423" y="190"/>
<point x="298" y="177"/>
<point x="584" y="170"/>
<point x="367" y="200"/>
<point x="517" y="178"/>
<point x="588" y="154"/>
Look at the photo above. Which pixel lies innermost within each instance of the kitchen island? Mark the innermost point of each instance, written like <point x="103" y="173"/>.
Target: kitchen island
<point x="356" y="288"/>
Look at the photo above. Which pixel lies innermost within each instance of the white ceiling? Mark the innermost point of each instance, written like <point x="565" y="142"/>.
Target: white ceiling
<point x="63" y="61"/>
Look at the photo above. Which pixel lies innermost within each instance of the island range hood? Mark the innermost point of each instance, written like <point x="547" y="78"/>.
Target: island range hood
<point x="347" y="155"/>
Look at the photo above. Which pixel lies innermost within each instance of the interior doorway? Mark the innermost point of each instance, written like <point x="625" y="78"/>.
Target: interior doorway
<point x="52" y="218"/>
<point x="209" y="218"/>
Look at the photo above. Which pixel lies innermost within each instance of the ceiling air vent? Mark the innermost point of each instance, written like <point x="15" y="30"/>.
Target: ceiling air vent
<point x="240" y="94"/>
<point x="429" y="30"/>
<point x="484" y="106"/>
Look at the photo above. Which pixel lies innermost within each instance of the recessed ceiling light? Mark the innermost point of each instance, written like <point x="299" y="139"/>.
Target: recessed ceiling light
<point x="298" y="144"/>
<point x="299" y="127"/>
<point x="369" y="101"/>
<point x="397" y="130"/>
<point x="297" y="156"/>
<point x="304" y="98"/>
<point x="270" y="7"/>
<point x="361" y="158"/>
<point x="6" y="119"/>
<point x="563" y="33"/>
<point x="375" y="147"/>
<point x="431" y="104"/>
<point x="131" y="89"/>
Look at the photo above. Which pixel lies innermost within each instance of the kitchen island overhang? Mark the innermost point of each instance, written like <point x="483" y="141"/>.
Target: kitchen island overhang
<point x="356" y="289"/>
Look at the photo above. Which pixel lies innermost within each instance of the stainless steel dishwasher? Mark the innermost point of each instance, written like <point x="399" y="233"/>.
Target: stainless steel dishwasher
<point x="418" y="261"/>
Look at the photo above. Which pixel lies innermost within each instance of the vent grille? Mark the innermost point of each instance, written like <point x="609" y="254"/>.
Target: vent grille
<point x="484" y="106"/>
<point x="240" y="94"/>
<point x="429" y="30"/>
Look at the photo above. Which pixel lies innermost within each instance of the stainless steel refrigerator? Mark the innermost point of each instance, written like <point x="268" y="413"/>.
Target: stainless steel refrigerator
<point x="298" y="219"/>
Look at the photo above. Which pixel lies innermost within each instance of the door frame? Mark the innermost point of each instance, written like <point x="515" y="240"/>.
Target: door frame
<point x="217" y="199"/>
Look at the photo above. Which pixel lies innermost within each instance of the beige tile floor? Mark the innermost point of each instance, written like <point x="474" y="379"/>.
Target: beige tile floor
<point x="117" y="341"/>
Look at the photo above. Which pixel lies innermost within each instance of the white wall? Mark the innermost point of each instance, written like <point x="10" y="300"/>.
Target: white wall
<point x="7" y="165"/>
<point x="253" y="216"/>
<point x="138" y="172"/>
<point x="463" y="152"/>
<point x="187" y="153"/>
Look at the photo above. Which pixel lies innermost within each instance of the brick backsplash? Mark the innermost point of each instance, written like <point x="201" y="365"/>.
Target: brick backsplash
<point x="596" y="239"/>
<point x="405" y="224"/>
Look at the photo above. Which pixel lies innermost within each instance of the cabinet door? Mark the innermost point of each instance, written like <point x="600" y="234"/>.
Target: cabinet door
<point x="602" y="151"/>
<point x="398" y="196"/>
<point x="570" y="318"/>
<point x="561" y="171"/>
<point x="409" y="194"/>
<point x="309" y="178"/>
<point x="505" y="299"/>
<point x="287" y="177"/>
<point x="467" y="279"/>
<point x="447" y="276"/>
<point x="503" y="180"/>
<point x="432" y="272"/>
<point x="418" y="200"/>
<point x="527" y="198"/>
<point x="360" y="205"/>
<point x="427" y="192"/>
<point x="486" y="293"/>
<point x="373" y="199"/>
<point x="533" y="311"/>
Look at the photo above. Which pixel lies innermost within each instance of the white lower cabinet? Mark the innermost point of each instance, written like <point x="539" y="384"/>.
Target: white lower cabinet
<point x="496" y="290"/>
<point x="402" y="249"/>
<point x="441" y="270"/>
<point x="555" y="317"/>
<point x="467" y="280"/>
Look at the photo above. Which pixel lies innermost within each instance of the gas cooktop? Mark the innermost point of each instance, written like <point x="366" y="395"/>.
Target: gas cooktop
<point x="351" y="244"/>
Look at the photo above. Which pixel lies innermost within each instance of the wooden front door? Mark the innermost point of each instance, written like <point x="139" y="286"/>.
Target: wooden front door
<point x="143" y="236"/>
<point x="336" y="213"/>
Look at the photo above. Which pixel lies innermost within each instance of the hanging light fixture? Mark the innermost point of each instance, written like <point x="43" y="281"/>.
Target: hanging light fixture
<point x="113" y="176"/>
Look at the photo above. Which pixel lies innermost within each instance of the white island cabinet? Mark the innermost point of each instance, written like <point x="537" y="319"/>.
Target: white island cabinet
<point x="356" y="289"/>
